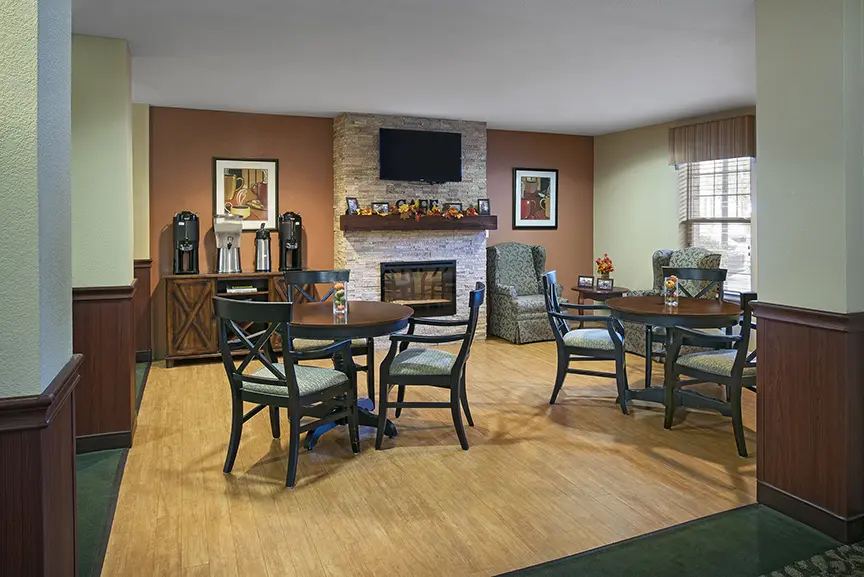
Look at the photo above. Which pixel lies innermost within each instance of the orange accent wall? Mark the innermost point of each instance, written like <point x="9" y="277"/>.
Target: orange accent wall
<point x="183" y="143"/>
<point x="569" y="249"/>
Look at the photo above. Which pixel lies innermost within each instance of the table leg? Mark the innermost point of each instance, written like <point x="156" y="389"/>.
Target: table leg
<point x="581" y="301"/>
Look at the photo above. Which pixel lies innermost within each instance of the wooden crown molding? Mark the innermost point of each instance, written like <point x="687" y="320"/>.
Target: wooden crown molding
<point x="36" y="411"/>
<point x="843" y="322"/>
<point x="104" y="293"/>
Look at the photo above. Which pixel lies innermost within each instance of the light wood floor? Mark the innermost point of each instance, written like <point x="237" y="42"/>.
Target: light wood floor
<point x="539" y="482"/>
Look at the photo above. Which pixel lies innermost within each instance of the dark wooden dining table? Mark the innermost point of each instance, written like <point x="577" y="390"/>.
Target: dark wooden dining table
<point x="364" y="319"/>
<point x="690" y="313"/>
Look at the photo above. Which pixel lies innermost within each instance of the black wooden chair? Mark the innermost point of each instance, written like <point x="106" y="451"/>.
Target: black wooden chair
<point x="587" y="344"/>
<point x="700" y="283"/>
<point x="295" y="281"/>
<point x="328" y="394"/>
<point x="731" y="364"/>
<point x="404" y="366"/>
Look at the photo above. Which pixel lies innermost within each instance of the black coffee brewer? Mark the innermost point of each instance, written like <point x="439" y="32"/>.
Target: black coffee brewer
<point x="290" y="241"/>
<point x="185" y="243"/>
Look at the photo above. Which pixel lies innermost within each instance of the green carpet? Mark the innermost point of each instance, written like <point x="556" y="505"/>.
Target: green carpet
<point x="98" y="482"/>
<point x="142" y="370"/>
<point x="745" y="542"/>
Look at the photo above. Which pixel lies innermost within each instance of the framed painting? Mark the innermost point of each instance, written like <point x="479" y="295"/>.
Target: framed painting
<point x="535" y="198"/>
<point x="248" y="188"/>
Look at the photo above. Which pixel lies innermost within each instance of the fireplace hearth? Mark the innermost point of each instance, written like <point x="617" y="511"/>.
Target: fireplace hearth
<point x="429" y="287"/>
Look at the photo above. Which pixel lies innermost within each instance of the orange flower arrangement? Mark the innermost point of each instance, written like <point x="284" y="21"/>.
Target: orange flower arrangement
<point x="604" y="265"/>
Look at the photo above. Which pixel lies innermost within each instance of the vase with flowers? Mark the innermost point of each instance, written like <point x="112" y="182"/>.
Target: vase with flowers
<point x="604" y="266"/>
<point x="670" y="291"/>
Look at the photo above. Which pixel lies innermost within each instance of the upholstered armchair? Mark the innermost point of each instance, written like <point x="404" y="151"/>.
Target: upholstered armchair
<point x="517" y="310"/>
<point x="690" y="257"/>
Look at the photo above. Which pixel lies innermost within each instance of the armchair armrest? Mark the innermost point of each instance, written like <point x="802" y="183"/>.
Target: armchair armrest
<point x="694" y="335"/>
<point x="428" y="339"/>
<point x="330" y="349"/>
<point x="596" y="318"/>
<point x="505" y="290"/>
<point x="439" y="322"/>
<point x="643" y="293"/>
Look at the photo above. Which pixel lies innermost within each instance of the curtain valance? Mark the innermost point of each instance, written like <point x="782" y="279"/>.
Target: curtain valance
<point x="715" y="140"/>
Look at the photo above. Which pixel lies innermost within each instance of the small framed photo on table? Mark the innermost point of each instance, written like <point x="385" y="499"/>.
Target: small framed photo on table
<point x="381" y="207"/>
<point x="585" y="282"/>
<point x="605" y="284"/>
<point x="353" y="205"/>
<point x="483" y="207"/>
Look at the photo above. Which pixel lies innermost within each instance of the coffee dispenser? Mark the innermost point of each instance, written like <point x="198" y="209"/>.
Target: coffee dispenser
<point x="262" y="250"/>
<point x="228" y="229"/>
<point x="290" y="241"/>
<point x="185" y="243"/>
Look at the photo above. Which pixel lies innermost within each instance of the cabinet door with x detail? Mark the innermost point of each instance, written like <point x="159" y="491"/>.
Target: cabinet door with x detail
<point x="191" y="323"/>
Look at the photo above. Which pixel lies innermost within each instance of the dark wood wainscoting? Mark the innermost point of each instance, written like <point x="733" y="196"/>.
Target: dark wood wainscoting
<point x="37" y="479"/>
<point x="143" y="311"/>
<point x="810" y="462"/>
<point x="103" y="330"/>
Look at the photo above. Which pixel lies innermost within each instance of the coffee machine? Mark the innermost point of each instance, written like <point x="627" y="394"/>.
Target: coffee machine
<point x="290" y="241"/>
<point x="228" y="229"/>
<point x="185" y="243"/>
<point x="262" y="250"/>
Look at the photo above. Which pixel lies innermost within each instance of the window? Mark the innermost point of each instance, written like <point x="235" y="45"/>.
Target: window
<point x="715" y="213"/>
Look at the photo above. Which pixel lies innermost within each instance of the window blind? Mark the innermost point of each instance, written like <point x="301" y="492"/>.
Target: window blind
<point x="714" y="212"/>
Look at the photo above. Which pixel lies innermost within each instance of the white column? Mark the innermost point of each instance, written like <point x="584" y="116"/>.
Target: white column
<point x="35" y="258"/>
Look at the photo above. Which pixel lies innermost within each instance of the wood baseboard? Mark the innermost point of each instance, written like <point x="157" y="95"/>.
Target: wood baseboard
<point x="103" y="442"/>
<point x="37" y="479"/>
<point x="143" y="356"/>
<point x="847" y="530"/>
<point x="811" y="435"/>
<point x="103" y="331"/>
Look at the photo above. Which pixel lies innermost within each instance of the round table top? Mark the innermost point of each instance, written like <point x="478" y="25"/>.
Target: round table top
<point x="364" y="319"/>
<point x="690" y="312"/>
<point x="619" y="290"/>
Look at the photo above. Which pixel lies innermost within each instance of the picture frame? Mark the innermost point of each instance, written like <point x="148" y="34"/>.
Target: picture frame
<point x="605" y="284"/>
<point x="248" y="188"/>
<point x="423" y="205"/>
<point x="585" y="282"/>
<point x="484" y="207"/>
<point x="353" y="205"/>
<point x="381" y="207"/>
<point x="535" y="198"/>
<point x="456" y="205"/>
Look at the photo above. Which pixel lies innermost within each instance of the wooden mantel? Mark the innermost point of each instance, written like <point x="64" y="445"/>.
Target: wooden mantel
<point x="393" y="222"/>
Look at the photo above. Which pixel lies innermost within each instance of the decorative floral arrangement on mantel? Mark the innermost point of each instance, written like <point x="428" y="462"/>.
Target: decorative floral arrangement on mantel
<point x="412" y="210"/>
<point x="604" y="266"/>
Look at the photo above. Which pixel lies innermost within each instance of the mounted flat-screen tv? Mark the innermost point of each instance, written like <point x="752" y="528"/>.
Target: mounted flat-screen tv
<point x="420" y="156"/>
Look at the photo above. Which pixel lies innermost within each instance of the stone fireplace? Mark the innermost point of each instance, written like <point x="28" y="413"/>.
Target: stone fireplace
<point x="429" y="287"/>
<point x="355" y="174"/>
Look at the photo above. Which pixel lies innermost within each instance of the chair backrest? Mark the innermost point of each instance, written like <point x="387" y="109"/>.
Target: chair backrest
<point x="475" y="299"/>
<point x="688" y="257"/>
<point x="707" y="283"/>
<point x="553" y="304"/>
<point x="296" y="280"/>
<point x="235" y="318"/>
<point x="517" y="265"/>
<point x="745" y="357"/>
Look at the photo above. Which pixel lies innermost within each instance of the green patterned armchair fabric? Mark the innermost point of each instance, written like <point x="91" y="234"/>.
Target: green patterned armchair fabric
<point x="690" y="257"/>
<point x="517" y="310"/>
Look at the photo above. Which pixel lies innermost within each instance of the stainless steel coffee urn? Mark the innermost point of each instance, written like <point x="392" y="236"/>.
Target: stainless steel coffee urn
<point x="228" y="229"/>
<point x="262" y="250"/>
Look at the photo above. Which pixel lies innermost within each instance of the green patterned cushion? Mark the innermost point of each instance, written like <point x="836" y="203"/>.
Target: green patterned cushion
<point x="421" y="361"/>
<point x="309" y="380"/>
<point x="312" y="344"/>
<point x="714" y="362"/>
<point x="590" y="339"/>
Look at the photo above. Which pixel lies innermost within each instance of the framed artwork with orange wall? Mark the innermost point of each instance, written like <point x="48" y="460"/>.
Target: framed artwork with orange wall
<point x="247" y="188"/>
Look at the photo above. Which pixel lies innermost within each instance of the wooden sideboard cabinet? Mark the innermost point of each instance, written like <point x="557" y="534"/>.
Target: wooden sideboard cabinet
<point x="191" y="324"/>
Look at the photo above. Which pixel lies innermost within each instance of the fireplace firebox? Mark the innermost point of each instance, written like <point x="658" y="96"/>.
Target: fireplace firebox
<point x="429" y="287"/>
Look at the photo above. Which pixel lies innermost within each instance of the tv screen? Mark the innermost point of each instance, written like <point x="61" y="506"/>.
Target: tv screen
<point x="420" y="156"/>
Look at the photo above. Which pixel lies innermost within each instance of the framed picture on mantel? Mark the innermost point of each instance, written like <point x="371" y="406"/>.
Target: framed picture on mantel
<point x="247" y="188"/>
<point x="535" y="198"/>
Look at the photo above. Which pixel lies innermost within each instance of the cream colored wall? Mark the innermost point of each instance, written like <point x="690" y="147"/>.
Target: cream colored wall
<point x="636" y="198"/>
<point x="141" y="180"/>
<point x="809" y="137"/>
<point x="35" y="288"/>
<point x="102" y="226"/>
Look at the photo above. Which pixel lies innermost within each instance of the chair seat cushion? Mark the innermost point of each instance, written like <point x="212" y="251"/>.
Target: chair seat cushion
<point x="312" y="344"/>
<point x="423" y="361"/>
<point x="309" y="380"/>
<point x="590" y="339"/>
<point x="530" y="304"/>
<point x="714" y="362"/>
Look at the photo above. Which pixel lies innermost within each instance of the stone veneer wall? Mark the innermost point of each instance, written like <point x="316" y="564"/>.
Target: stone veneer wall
<point x="355" y="173"/>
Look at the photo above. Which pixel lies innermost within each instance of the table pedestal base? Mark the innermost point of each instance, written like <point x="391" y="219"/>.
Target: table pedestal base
<point x="366" y="418"/>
